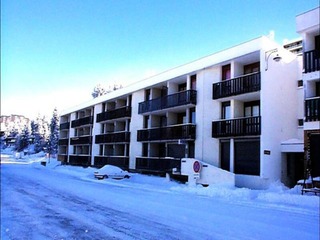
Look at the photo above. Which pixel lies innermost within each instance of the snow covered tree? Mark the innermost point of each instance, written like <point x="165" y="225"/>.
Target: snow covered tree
<point x="98" y="91"/>
<point x="38" y="139"/>
<point x="52" y="144"/>
<point x="23" y="139"/>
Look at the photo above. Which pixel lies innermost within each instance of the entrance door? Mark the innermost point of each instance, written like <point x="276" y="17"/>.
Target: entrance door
<point x="315" y="154"/>
<point x="295" y="168"/>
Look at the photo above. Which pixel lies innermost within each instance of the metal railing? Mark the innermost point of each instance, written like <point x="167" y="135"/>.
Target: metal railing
<point x="236" y="86"/>
<point x="157" y="165"/>
<point x="311" y="61"/>
<point x="119" y="161"/>
<point x="236" y="127"/>
<point x="82" y="121"/>
<point x="181" y="131"/>
<point x="312" y="109"/>
<point x="114" y="114"/>
<point x="169" y="101"/>
<point x="113" y="137"/>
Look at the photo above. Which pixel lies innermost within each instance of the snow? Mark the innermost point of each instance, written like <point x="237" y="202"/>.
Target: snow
<point x="67" y="202"/>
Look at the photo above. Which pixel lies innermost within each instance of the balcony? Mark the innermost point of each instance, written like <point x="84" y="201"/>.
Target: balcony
<point x="176" y="132"/>
<point x="81" y="140"/>
<point x="157" y="165"/>
<point x="169" y="101"/>
<point x="64" y="126"/>
<point x="236" y="86"/>
<point x="82" y="121"/>
<point x="311" y="61"/>
<point x="312" y="109"/>
<point x="113" y="137"/>
<point x="78" y="160"/>
<point x="124" y="112"/>
<point x="63" y="141"/>
<point x="119" y="161"/>
<point x="249" y="126"/>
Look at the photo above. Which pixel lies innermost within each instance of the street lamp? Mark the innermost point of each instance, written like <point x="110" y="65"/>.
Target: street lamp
<point x="267" y="55"/>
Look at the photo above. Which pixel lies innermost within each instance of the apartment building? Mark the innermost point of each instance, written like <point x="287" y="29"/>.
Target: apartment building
<point x="308" y="26"/>
<point x="233" y="109"/>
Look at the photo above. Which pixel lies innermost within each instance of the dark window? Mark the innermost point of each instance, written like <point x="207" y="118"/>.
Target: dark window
<point x="146" y="122"/>
<point x="317" y="89"/>
<point x="315" y="154"/>
<point x="251" y="68"/>
<point x="247" y="157"/>
<point x="225" y="154"/>
<point x="317" y="42"/>
<point x="193" y="82"/>
<point x="176" y="150"/>
<point x="147" y="95"/>
<point x="101" y="150"/>
<point x="226" y="72"/>
<point x="252" y="109"/>
<point x="181" y="118"/>
<point x="300" y="122"/>
<point x="192" y="115"/>
<point x="300" y="83"/>
<point x="163" y="121"/>
<point x="164" y="91"/>
<point x="145" y="149"/>
<point x="225" y="110"/>
<point x="182" y="87"/>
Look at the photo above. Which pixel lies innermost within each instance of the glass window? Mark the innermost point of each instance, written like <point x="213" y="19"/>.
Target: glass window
<point x="226" y="72"/>
<point x="226" y="110"/>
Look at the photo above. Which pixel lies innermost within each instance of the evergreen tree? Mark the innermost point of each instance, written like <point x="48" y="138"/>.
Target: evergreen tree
<point x="23" y="139"/>
<point x="38" y="140"/>
<point x="52" y="145"/>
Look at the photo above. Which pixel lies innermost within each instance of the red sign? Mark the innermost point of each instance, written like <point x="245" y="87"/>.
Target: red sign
<point x="196" y="166"/>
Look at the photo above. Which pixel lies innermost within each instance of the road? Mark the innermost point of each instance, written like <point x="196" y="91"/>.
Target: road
<point x="38" y="203"/>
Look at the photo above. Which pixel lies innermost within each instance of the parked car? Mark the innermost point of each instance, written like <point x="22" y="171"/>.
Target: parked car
<point x="110" y="171"/>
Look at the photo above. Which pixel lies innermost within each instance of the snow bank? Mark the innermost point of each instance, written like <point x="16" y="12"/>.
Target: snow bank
<point x="276" y="194"/>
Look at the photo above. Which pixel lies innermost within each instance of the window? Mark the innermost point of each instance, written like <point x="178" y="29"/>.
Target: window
<point x="226" y="72"/>
<point x="225" y="110"/>
<point x="147" y="95"/>
<point x="300" y="83"/>
<point x="193" y="82"/>
<point x="181" y="118"/>
<point x="251" y="68"/>
<point x="182" y="87"/>
<point x="145" y="121"/>
<point x="163" y="121"/>
<point x="252" y="109"/>
<point x="192" y="115"/>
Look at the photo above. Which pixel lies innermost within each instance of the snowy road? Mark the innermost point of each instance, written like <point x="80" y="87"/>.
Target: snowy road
<point x="43" y="203"/>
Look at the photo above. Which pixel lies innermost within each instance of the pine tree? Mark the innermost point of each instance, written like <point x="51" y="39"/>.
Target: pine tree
<point x="23" y="139"/>
<point x="52" y="145"/>
<point x="38" y="140"/>
<point x="98" y="91"/>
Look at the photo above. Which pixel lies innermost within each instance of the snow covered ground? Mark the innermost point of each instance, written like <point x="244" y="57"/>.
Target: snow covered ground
<point x="64" y="202"/>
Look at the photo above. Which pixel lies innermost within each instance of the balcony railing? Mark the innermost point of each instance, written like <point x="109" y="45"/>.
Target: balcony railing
<point x="169" y="101"/>
<point x="311" y="61"/>
<point x="236" y="127"/>
<point x="157" y="165"/>
<point x="114" y="114"/>
<point x="82" y="121"/>
<point x="120" y="161"/>
<point x="64" y="126"/>
<point x="236" y="86"/>
<point x="312" y="109"/>
<point x="113" y="137"/>
<point x="183" y="131"/>
<point x="63" y="141"/>
<point x="81" y="140"/>
<point x="80" y="160"/>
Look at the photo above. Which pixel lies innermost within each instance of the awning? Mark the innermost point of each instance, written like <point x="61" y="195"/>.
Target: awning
<point x="292" y="146"/>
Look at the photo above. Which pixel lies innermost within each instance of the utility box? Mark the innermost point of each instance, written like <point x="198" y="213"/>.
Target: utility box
<point x="199" y="172"/>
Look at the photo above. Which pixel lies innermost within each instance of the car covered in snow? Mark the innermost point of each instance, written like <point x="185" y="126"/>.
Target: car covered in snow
<point x="110" y="171"/>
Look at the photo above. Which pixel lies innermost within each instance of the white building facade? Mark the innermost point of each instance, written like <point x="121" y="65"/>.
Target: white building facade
<point x="237" y="110"/>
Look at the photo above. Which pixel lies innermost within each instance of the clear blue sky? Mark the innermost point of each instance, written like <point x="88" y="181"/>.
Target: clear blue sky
<point x="53" y="52"/>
